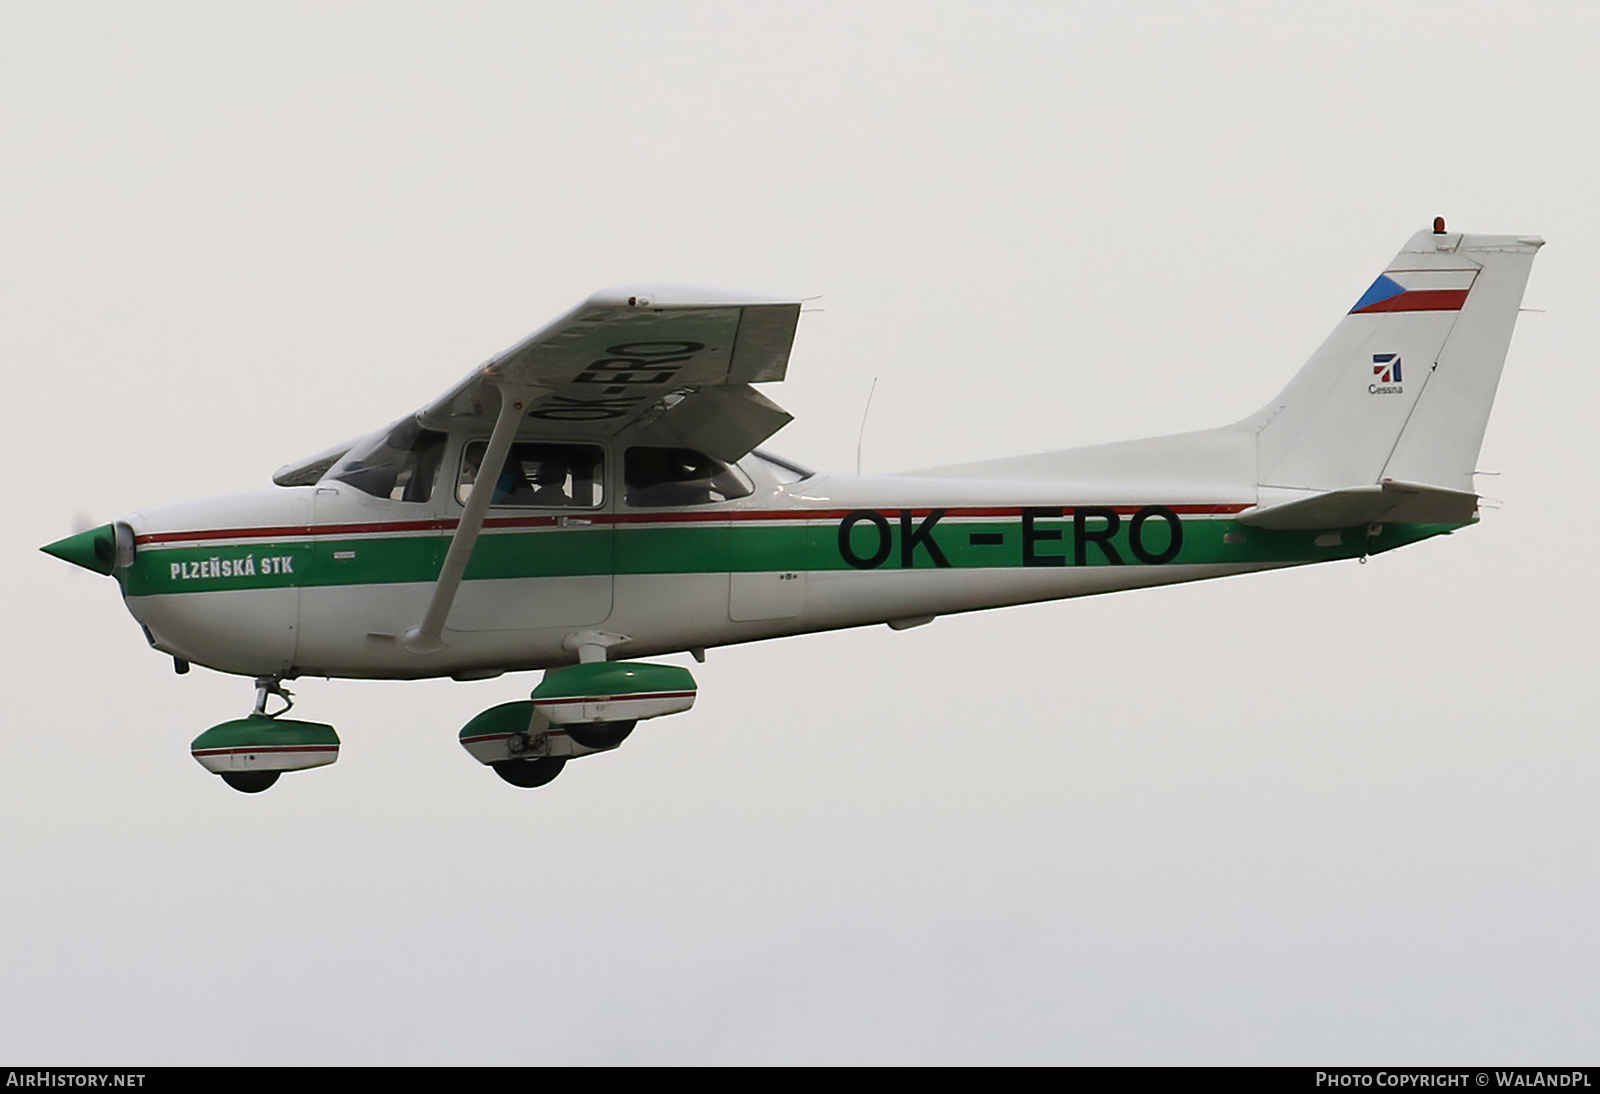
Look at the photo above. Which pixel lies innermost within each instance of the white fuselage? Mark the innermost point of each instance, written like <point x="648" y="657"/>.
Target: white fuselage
<point x="325" y="580"/>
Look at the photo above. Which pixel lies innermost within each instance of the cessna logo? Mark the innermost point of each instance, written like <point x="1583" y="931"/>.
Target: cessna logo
<point x="1386" y="375"/>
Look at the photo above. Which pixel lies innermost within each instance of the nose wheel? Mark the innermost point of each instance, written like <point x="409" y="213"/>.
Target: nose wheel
<point x="249" y="753"/>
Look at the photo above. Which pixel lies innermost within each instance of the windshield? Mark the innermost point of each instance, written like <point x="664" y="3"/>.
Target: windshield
<point x="784" y="470"/>
<point x="399" y="462"/>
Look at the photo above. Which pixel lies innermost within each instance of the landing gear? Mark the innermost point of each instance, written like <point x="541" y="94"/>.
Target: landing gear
<point x="529" y="773"/>
<point x="600" y="735"/>
<point x="526" y="750"/>
<point x="250" y="753"/>
<point x="272" y="685"/>
<point x="576" y="711"/>
<point x="250" y="782"/>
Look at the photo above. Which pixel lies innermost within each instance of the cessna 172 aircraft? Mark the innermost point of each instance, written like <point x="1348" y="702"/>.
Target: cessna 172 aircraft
<point x="595" y="494"/>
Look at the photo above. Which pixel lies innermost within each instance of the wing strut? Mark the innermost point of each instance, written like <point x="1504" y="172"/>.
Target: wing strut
<point x="428" y="636"/>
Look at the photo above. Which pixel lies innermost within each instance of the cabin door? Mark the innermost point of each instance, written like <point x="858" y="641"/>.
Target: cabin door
<point x="546" y="555"/>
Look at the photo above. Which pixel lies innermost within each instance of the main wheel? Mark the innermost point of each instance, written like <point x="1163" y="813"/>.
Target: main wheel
<point x="249" y="782"/>
<point x="600" y="734"/>
<point x="530" y="773"/>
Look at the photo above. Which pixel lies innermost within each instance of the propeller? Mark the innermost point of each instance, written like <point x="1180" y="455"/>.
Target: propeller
<point x="92" y="546"/>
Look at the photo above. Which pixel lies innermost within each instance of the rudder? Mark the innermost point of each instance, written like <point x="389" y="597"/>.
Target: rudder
<point x="1401" y="389"/>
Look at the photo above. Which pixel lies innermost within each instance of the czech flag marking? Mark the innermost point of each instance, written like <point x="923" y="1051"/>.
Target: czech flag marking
<point x="1416" y="290"/>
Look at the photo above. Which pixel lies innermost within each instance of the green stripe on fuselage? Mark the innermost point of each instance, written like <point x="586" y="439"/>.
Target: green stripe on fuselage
<point x="741" y="547"/>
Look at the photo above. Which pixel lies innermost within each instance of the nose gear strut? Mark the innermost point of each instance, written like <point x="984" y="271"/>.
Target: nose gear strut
<point x="272" y="685"/>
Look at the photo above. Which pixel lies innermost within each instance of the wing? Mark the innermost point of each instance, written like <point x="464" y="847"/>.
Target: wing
<point x="661" y="366"/>
<point x="664" y="365"/>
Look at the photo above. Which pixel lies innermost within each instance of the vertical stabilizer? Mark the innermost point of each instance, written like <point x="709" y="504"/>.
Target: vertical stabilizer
<point x="1401" y="389"/>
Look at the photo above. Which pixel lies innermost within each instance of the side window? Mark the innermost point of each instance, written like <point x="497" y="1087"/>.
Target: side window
<point x="400" y="463"/>
<point x="658" y="477"/>
<point x="540" y="475"/>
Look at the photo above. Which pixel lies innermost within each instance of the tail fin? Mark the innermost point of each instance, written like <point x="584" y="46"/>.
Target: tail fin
<point x="1401" y="389"/>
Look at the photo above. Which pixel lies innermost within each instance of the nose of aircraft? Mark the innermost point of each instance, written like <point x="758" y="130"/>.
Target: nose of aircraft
<point x="94" y="550"/>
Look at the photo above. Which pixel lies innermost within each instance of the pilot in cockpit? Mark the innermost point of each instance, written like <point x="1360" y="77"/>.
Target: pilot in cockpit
<point x="549" y="484"/>
<point x="525" y="481"/>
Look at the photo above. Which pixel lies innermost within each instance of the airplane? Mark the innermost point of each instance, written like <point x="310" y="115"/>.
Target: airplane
<point x="632" y="514"/>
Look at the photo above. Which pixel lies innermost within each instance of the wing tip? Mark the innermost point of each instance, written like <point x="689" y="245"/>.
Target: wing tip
<point x="678" y="296"/>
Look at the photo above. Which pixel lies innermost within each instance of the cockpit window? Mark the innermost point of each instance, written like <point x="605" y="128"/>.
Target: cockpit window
<point x="398" y="463"/>
<point x="659" y="477"/>
<point x="539" y="474"/>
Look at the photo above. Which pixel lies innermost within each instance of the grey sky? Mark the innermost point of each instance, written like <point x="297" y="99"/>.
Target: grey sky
<point x="1343" y="814"/>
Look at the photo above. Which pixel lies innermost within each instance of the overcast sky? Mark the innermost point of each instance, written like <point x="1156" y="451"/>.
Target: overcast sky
<point x="1342" y="814"/>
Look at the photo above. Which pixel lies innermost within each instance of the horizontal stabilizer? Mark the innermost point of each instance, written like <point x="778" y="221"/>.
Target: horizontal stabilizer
<point x="1389" y="500"/>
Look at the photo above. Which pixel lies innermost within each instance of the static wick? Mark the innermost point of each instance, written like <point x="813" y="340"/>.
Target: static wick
<point x="862" y="436"/>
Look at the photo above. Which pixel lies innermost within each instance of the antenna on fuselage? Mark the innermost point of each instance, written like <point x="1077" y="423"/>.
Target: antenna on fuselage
<point x="862" y="436"/>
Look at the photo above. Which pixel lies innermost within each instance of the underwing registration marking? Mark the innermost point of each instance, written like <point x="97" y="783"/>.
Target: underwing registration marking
<point x="624" y="375"/>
